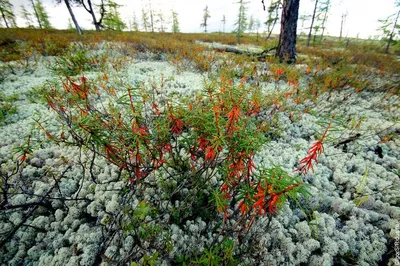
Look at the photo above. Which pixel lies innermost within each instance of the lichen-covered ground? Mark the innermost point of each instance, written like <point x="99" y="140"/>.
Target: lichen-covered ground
<point x="350" y="219"/>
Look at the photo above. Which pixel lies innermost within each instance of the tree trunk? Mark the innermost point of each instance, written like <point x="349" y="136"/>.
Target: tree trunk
<point x="151" y="19"/>
<point x="323" y="26"/>
<point x="78" y="29"/>
<point x="312" y="23"/>
<point x="4" y="18"/>
<point x="287" y="39"/>
<point x="392" y="34"/>
<point x="36" y="14"/>
<point x="341" y="27"/>
<point x="91" y="11"/>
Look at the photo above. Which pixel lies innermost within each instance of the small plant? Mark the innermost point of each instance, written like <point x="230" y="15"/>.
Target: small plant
<point x="76" y="61"/>
<point x="358" y="197"/>
<point x="7" y="106"/>
<point x="313" y="153"/>
<point x="189" y="141"/>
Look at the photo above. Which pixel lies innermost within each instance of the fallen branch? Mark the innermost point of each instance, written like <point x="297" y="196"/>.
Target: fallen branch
<point x="348" y="140"/>
<point x="260" y="56"/>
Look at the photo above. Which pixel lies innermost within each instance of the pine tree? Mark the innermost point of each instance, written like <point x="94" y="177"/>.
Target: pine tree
<point x="133" y="24"/>
<point x="175" y="22"/>
<point x="342" y="22"/>
<point x="286" y="50"/>
<point x="324" y="9"/>
<point x="27" y="17"/>
<point x="273" y="16"/>
<point x="70" y="26"/>
<point x="36" y="14"/>
<point x="206" y="16"/>
<point x="43" y="17"/>
<point x="71" y="13"/>
<point x="151" y="15"/>
<point x="257" y="25"/>
<point x="241" y="22"/>
<point x="160" y="21"/>
<point x="251" y="25"/>
<point x="112" y="18"/>
<point x="318" y="19"/>
<point x="389" y="26"/>
<point x="145" y="20"/>
<point x="7" y="13"/>
<point x="98" y="23"/>
<point x="223" y="23"/>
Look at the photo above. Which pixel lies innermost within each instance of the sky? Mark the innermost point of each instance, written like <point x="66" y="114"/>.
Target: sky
<point x="362" y="15"/>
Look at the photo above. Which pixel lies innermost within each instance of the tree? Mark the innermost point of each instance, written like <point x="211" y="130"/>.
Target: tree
<point x="389" y="26"/>
<point x="27" y="17"/>
<point x="312" y="23"/>
<point x="241" y="22"/>
<point x="43" y="17"/>
<point x="71" y="13"/>
<point x="206" y="16"/>
<point x="98" y="24"/>
<point x="36" y="14"/>
<point x="151" y="14"/>
<point x="303" y="18"/>
<point x="70" y="26"/>
<point x="7" y="13"/>
<point x="160" y="20"/>
<point x="324" y="9"/>
<point x="112" y="19"/>
<point x="133" y="24"/>
<point x="319" y="19"/>
<point x="145" y="20"/>
<point x="251" y="25"/>
<point x="273" y="16"/>
<point x="223" y="23"/>
<point x="257" y="26"/>
<point x="175" y="22"/>
<point x="344" y="16"/>
<point x="286" y="50"/>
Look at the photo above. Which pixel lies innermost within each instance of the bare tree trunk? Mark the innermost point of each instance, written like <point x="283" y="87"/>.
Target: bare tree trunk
<point x="323" y="26"/>
<point x="312" y="23"/>
<point x="89" y="9"/>
<point x="4" y="18"/>
<point x="341" y="26"/>
<point x="78" y="29"/>
<point x="392" y="33"/>
<point x="36" y="14"/>
<point x="96" y="24"/>
<point x="287" y="40"/>
<point x="270" y="32"/>
<point x="151" y="18"/>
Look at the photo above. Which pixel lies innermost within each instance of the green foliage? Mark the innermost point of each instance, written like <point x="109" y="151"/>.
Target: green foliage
<point x="7" y="14"/>
<point x="273" y="16"/>
<point x="252" y="24"/>
<point x="390" y="28"/>
<point x="133" y="24"/>
<point x="145" y="20"/>
<point x="43" y="16"/>
<point x="27" y="16"/>
<point x="7" y="106"/>
<point x="147" y="260"/>
<point x="76" y="60"/>
<point x="358" y="197"/>
<point x="175" y="22"/>
<point x="219" y="255"/>
<point x="241" y="22"/>
<point x="112" y="19"/>
<point x="206" y="16"/>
